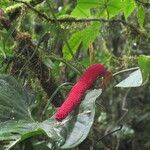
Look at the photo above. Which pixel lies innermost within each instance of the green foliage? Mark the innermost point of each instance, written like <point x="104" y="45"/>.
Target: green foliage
<point x="83" y="8"/>
<point x="81" y="124"/>
<point x="47" y="61"/>
<point x="14" y="101"/>
<point x="4" y="3"/>
<point x="107" y="9"/>
<point x="128" y="7"/>
<point x="85" y="36"/>
<point x="141" y="16"/>
<point x="144" y="63"/>
<point x="110" y="8"/>
<point x="17" y="124"/>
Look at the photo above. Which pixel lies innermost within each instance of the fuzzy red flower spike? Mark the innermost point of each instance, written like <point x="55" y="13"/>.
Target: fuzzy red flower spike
<point x="79" y="89"/>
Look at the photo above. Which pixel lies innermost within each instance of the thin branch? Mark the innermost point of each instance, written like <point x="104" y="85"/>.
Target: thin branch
<point x="53" y="95"/>
<point x="110" y="133"/>
<point x="79" y="20"/>
<point x="15" y="11"/>
<point x="126" y="70"/>
<point x="55" y="18"/>
<point x="124" y="107"/>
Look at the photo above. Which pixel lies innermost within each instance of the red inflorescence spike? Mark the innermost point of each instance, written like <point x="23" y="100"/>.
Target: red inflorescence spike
<point x="78" y="90"/>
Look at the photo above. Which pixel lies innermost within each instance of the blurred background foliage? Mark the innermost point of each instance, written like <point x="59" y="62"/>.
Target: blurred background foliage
<point x="68" y="36"/>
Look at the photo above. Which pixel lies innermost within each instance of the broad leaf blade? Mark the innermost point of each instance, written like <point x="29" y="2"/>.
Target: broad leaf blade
<point x="83" y="8"/>
<point x="76" y="128"/>
<point x="71" y="132"/>
<point x="128" y="7"/>
<point x="74" y="43"/>
<point x="113" y="7"/>
<point x="14" y="100"/>
<point x="84" y="36"/>
<point x="134" y="80"/>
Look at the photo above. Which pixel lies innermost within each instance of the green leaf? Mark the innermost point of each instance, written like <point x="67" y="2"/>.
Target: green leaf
<point x="88" y="38"/>
<point x="113" y="7"/>
<point x="4" y="4"/>
<point x="79" y="12"/>
<point x="17" y="131"/>
<point x="134" y="80"/>
<point x="47" y="61"/>
<point x="14" y="101"/>
<point x="76" y="127"/>
<point x="144" y="63"/>
<point x="74" y="43"/>
<point x="14" y="130"/>
<point x="110" y="8"/>
<point x="128" y="7"/>
<point x="83" y="8"/>
<point x="141" y="15"/>
<point x="88" y="4"/>
<point x="18" y="125"/>
<point x="107" y="9"/>
<point x="84" y="36"/>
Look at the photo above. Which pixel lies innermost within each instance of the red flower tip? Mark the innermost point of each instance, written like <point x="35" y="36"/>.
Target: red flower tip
<point x="78" y="90"/>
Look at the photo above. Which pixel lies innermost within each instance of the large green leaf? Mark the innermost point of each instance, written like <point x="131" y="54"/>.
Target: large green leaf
<point x="74" y="43"/>
<point x="107" y="8"/>
<point x="84" y="36"/>
<point x="17" y="131"/>
<point x="16" y="123"/>
<point x="134" y="80"/>
<point x="14" y="100"/>
<point x="76" y="128"/>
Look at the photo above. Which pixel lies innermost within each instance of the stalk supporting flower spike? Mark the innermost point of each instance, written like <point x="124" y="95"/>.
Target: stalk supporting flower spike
<point x="79" y="89"/>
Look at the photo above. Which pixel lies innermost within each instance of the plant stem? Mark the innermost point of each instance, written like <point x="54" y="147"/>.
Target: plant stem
<point x="53" y="95"/>
<point x="126" y="70"/>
